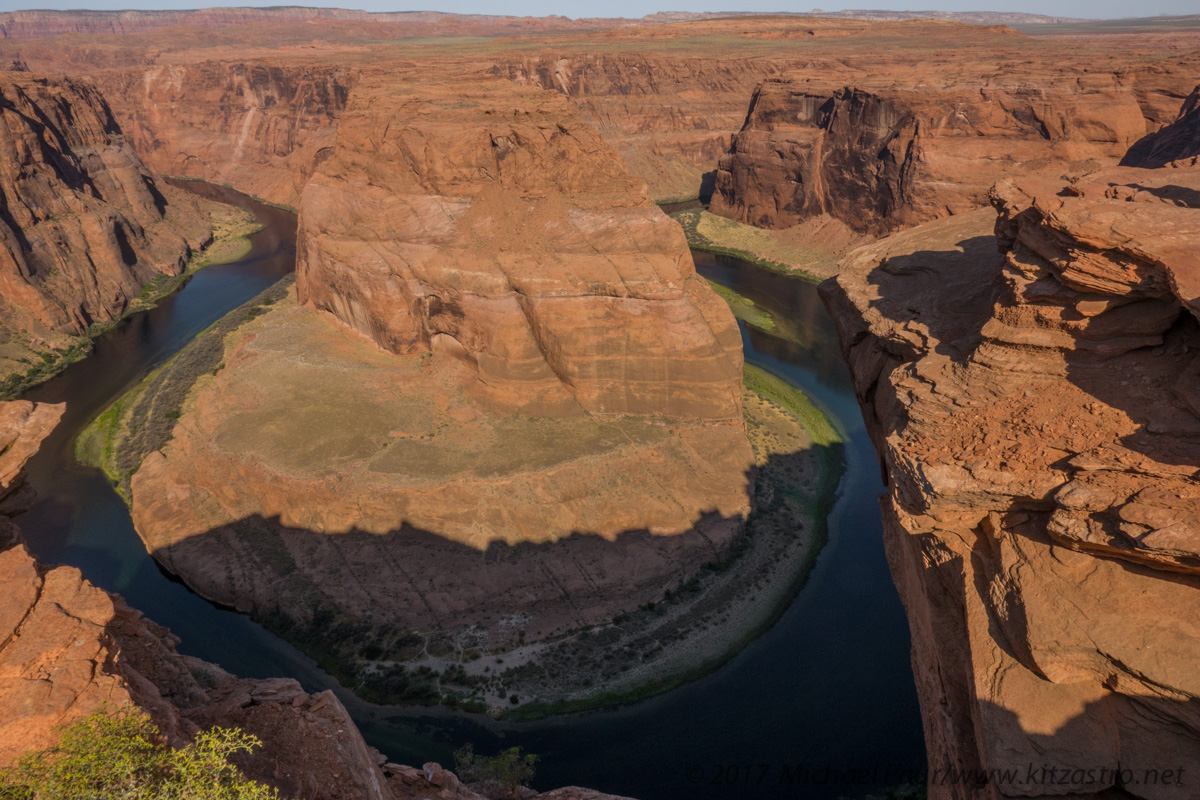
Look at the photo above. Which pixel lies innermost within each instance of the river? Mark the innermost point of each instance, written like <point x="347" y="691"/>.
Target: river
<point x="828" y="690"/>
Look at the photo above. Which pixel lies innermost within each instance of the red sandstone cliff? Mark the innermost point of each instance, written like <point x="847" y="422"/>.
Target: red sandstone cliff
<point x="1179" y="140"/>
<point x="83" y="224"/>
<point x="1035" y="413"/>
<point x="884" y="154"/>
<point x="260" y="126"/>
<point x="498" y="228"/>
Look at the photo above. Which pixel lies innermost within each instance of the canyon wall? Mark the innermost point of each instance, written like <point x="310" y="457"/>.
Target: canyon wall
<point x="670" y="117"/>
<point x="1174" y="142"/>
<point x="881" y="155"/>
<point x="1030" y="392"/>
<point x="502" y="230"/>
<point x="83" y="224"/>
<point x="259" y="126"/>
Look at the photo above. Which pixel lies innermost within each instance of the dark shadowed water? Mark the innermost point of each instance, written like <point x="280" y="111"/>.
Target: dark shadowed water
<point x="828" y="689"/>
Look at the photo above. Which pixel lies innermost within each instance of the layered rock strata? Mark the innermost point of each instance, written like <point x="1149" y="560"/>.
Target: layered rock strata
<point x="477" y="415"/>
<point x="261" y="126"/>
<point x="1174" y="142"/>
<point x="1036" y="419"/>
<point x="882" y="156"/>
<point x="83" y="224"/>
<point x="502" y="231"/>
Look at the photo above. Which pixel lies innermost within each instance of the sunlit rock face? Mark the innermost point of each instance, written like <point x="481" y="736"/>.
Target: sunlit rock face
<point x="491" y="224"/>
<point x="889" y="151"/>
<point x="83" y="224"/>
<point x="1028" y="379"/>
<point x="499" y="394"/>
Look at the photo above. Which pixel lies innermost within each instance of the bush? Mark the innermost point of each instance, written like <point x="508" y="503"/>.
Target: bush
<point x="500" y="776"/>
<point x="122" y="757"/>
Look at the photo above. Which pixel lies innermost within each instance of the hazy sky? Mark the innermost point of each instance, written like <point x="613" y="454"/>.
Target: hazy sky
<point x="636" y="8"/>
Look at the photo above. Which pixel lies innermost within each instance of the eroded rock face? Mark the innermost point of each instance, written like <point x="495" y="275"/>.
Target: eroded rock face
<point x="1174" y="142"/>
<point x="262" y="126"/>
<point x="83" y="223"/>
<point x="1034" y="413"/>
<point x="501" y="230"/>
<point x="880" y="156"/>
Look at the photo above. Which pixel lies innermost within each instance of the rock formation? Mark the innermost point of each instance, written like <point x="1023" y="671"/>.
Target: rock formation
<point x="1036" y="418"/>
<point x="83" y="224"/>
<point x="480" y="416"/>
<point x="262" y="126"/>
<point x="1174" y="142"/>
<point x="499" y="229"/>
<point x="69" y="649"/>
<point x="881" y="156"/>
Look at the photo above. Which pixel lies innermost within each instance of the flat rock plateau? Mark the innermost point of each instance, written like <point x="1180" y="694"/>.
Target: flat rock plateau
<point x="498" y="408"/>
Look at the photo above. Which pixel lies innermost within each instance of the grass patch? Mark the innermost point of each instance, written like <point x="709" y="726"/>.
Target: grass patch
<point x="712" y="234"/>
<point x="820" y="428"/>
<point x="142" y="420"/>
<point x="744" y="308"/>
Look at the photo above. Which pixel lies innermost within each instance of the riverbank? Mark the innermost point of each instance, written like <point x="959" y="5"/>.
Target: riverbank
<point x="139" y="422"/>
<point x="700" y="626"/>
<point x="231" y="229"/>
<point x="810" y="251"/>
<point x="643" y="651"/>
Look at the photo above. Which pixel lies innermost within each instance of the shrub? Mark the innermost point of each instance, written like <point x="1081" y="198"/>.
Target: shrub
<point x="499" y="776"/>
<point x="123" y="757"/>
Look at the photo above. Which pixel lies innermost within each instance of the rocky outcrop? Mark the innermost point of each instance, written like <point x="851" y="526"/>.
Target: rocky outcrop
<point x="1037" y="423"/>
<point x="1174" y="142"/>
<point x="501" y="230"/>
<point x="881" y="156"/>
<point x="83" y="224"/>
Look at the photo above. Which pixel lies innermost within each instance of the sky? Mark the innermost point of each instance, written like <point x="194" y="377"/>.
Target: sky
<point x="1092" y="9"/>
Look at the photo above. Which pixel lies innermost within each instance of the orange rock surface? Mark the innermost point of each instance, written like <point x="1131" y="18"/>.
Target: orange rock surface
<point x="83" y="224"/>
<point x="497" y="228"/>
<point x="918" y="142"/>
<point x="1030" y="397"/>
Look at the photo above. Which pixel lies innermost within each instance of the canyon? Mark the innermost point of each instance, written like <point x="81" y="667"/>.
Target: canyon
<point x="71" y="649"/>
<point x="463" y="428"/>
<point x="1025" y="374"/>
<point x="534" y="360"/>
<point x="85" y="226"/>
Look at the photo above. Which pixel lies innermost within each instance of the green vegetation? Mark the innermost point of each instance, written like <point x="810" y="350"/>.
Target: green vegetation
<point x="815" y="421"/>
<point x="230" y="243"/>
<point x="712" y="234"/>
<point x="141" y="421"/>
<point x="122" y="756"/>
<point x="500" y="776"/>
<point x="744" y="308"/>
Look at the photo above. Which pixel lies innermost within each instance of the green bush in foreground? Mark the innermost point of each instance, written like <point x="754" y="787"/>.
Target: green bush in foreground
<point x="122" y="757"/>
<point x="500" y="776"/>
